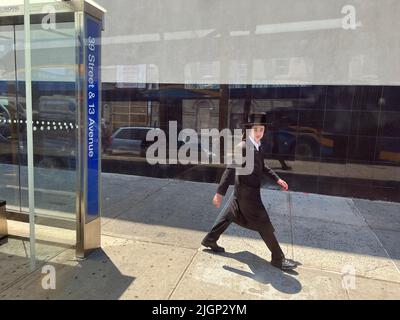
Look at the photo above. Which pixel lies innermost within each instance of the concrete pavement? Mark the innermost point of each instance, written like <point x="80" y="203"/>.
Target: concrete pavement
<point x="152" y="230"/>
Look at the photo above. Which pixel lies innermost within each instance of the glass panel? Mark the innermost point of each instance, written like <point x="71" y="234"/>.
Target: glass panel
<point x="11" y="110"/>
<point x="54" y="119"/>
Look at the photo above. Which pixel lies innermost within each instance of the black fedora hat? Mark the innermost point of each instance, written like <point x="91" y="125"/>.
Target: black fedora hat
<point x="254" y="119"/>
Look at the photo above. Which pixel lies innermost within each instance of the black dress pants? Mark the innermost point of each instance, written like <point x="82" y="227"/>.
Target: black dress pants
<point x="226" y="218"/>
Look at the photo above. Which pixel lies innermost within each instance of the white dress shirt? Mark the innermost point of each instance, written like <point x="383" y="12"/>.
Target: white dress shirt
<point x="257" y="145"/>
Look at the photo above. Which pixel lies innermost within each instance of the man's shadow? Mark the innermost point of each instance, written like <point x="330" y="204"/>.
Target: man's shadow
<point x="263" y="272"/>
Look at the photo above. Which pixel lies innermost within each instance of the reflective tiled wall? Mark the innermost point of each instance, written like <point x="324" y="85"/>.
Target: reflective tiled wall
<point x="338" y="140"/>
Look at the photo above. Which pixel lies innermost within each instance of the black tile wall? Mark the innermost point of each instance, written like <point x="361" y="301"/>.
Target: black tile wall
<point x="348" y="137"/>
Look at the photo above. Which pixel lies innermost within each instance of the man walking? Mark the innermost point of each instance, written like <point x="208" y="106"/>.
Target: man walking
<point x="246" y="208"/>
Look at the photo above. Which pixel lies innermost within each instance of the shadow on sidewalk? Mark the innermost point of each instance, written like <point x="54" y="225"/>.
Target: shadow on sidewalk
<point x="96" y="277"/>
<point x="264" y="273"/>
<point x="168" y="211"/>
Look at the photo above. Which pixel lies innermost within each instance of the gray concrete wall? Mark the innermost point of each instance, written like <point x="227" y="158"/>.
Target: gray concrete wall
<point x="253" y="41"/>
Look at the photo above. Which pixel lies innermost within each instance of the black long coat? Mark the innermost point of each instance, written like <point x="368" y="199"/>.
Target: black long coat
<point x="246" y="205"/>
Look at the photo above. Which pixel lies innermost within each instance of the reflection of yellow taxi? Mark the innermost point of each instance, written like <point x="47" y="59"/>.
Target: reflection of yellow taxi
<point x="387" y="150"/>
<point x="310" y="142"/>
<point x="389" y="156"/>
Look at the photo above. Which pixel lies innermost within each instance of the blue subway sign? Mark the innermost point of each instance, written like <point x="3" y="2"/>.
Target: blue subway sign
<point x="92" y="69"/>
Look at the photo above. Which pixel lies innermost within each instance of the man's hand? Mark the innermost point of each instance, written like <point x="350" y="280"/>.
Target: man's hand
<point x="283" y="184"/>
<point x="217" y="200"/>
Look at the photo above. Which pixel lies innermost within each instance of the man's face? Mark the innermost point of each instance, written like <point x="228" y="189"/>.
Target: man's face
<point x="257" y="132"/>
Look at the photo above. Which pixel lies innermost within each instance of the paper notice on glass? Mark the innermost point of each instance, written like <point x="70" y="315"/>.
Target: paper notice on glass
<point x="131" y="76"/>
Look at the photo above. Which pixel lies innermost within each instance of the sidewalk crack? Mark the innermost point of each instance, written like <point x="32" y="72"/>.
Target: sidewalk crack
<point x="373" y="232"/>
<point x="290" y="204"/>
<point x="181" y="276"/>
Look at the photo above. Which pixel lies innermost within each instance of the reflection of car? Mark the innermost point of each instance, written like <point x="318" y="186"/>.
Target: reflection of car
<point x="202" y="152"/>
<point x="52" y="149"/>
<point x="130" y="140"/>
<point x="57" y="107"/>
<point x="303" y="142"/>
<point x="5" y="130"/>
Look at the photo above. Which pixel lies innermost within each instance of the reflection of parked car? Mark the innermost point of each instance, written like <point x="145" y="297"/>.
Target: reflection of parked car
<point x="57" y="107"/>
<point x="203" y="153"/>
<point x="287" y="140"/>
<point x="6" y="136"/>
<point x="5" y="131"/>
<point x="130" y="140"/>
<point x="303" y="142"/>
<point x="52" y="149"/>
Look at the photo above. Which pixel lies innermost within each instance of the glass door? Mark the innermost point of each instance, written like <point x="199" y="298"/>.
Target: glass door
<point x="55" y="124"/>
<point x="11" y="113"/>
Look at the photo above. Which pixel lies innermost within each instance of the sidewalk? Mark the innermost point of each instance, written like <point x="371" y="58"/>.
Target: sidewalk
<point x="151" y="233"/>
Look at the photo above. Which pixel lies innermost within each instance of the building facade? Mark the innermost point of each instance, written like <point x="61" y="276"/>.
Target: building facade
<point x="325" y="73"/>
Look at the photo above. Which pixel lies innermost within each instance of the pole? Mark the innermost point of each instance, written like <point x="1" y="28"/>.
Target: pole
<point x="29" y="123"/>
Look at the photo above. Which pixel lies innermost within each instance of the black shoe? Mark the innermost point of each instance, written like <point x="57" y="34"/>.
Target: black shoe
<point x="284" y="264"/>
<point x="212" y="245"/>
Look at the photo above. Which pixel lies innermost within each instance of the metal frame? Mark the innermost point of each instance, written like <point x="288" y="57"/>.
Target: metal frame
<point x="15" y="14"/>
<point x="29" y="132"/>
<point x="3" y="220"/>
<point x="88" y="232"/>
<point x="80" y="181"/>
